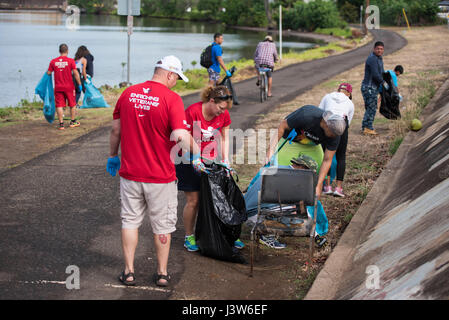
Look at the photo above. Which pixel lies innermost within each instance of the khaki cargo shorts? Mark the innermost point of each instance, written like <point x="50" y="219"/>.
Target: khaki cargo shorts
<point x="158" y="200"/>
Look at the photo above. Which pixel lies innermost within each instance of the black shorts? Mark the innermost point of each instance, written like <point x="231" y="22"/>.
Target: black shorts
<point x="188" y="178"/>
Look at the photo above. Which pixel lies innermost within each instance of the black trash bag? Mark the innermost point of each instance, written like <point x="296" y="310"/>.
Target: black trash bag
<point x="228" y="84"/>
<point x="221" y="214"/>
<point x="389" y="106"/>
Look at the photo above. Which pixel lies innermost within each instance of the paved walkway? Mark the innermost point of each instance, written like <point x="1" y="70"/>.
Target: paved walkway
<point x="62" y="208"/>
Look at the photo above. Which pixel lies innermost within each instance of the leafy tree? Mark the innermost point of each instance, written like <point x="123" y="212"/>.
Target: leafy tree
<point x="349" y="12"/>
<point x="95" y="6"/>
<point x="312" y="15"/>
<point x="245" y="13"/>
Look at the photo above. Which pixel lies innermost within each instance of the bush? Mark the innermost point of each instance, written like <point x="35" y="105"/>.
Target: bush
<point x="244" y="13"/>
<point x="312" y="15"/>
<point x="418" y="11"/>
<point x="349" y="12"/>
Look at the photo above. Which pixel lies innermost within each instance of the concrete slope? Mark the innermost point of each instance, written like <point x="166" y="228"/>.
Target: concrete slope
<point x="401" y="232"/>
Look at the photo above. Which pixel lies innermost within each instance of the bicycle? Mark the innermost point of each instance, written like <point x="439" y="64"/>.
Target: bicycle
<point x="263" y="85"/>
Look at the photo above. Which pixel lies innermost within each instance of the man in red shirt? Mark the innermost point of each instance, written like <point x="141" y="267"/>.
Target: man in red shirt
<point x="149" y="119"/>
<point x="63" y="67"/>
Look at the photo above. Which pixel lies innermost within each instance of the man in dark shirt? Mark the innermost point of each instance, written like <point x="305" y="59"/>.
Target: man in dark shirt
<point x="374" y="68"/>
<point x="321" y="127"/>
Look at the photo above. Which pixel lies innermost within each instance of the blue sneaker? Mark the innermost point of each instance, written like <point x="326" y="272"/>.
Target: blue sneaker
<point x="239" y="244"/>
<point x="190" y="243"/>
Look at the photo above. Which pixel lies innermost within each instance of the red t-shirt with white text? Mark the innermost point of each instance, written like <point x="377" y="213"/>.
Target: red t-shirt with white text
<point x="62" y="67"/>
<point x="148" y="114"/>
<point x="209" y="133"/>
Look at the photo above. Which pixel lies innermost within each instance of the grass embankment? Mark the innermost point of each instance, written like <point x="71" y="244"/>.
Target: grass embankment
<point x="32" y="110"/>
<point x="366" y="156"/>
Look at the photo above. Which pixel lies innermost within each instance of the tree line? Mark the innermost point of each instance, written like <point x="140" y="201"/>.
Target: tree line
<point x="262" y="13"/>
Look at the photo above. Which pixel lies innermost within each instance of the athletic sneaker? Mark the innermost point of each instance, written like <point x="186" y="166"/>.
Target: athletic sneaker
<point x="61" y="126"/>
<point x="339" y="192"/>
<point x="190" y="243"/>
<point x="74" y="123"/>
<point x="272" y="242"/>
<point x="327" y="190"/>
<point x="239" y="244"/>
<point x="320" y="241"/>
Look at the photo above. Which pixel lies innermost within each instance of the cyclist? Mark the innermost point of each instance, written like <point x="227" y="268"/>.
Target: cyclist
<point x="265" y="57"/>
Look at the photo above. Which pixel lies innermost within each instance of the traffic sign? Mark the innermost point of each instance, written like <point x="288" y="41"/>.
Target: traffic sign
<point x="124" y="10"/>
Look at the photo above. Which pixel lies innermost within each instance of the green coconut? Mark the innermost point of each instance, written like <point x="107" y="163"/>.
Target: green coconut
<point x="416" y="125"/>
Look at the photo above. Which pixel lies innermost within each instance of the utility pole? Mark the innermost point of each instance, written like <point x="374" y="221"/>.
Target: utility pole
<point x="280" y="32"/>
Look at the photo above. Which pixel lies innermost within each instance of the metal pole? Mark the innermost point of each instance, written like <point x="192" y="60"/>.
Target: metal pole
<point x="129" y="41"/>
<point x="280" y="32"/>
<point x="361" y="17"/>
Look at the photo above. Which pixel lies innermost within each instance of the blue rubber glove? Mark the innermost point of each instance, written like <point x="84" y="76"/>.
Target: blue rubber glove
<point x="80" y="87"/>
<point x="292" y="135"/>
<point x="198" y="165"/>
<point x="228" y="73"/>
<point x="113" y="165"/>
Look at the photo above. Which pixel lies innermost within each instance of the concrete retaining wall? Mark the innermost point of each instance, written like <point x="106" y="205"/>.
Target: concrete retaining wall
<point x="401" y="230"/>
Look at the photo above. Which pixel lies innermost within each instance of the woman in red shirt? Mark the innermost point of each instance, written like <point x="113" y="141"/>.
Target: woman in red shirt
<point x="208" y="122"/>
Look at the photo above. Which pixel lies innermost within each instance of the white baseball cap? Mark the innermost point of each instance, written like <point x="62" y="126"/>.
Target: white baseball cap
<point x="172" y="64"/>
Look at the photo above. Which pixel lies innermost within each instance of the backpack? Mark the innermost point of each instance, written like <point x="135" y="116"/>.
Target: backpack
<point x="206" y="57"/>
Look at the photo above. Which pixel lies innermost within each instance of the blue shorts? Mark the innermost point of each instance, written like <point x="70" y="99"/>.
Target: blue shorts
<point x="213" y="75"/>
<point x="188" y="179"/>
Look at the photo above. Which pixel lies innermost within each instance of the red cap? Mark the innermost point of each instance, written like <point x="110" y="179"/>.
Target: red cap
<point x="345" y="86"/>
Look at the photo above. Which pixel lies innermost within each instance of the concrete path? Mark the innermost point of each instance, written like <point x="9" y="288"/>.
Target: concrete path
<point x="61" y="209"/>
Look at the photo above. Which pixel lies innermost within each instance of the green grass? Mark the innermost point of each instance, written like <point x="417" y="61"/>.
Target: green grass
<point x="23" y="108"/>
<point x="312" y="54"/>
<point x="363" y="193"/>
<point x="394" y="145"/>
<point x="381" y="121"/>
<point x="305" y="284"/>
<point x="348" y="217"/>
<point x="339" y="32"/>
<point x="360" y="165"/>
<point x="331" y="84"/>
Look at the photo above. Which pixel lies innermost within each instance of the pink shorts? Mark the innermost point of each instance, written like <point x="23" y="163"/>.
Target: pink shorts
<point x="65" y="98"/>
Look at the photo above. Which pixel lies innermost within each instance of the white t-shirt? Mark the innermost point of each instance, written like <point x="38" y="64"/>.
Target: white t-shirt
<point x="338" y="103"/>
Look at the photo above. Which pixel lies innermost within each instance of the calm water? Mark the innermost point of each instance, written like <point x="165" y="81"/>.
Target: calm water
<point x="29" y="40"/>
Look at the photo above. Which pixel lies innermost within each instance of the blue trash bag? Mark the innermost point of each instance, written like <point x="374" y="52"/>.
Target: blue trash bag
<point x="45" y="90"/>
<point x="93" y="97"/>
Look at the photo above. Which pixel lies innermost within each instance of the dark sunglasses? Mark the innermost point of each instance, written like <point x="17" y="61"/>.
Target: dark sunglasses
<point x="226" y="97"/>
